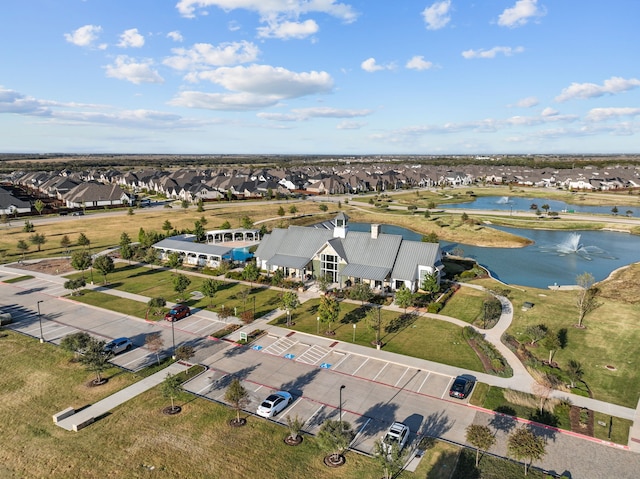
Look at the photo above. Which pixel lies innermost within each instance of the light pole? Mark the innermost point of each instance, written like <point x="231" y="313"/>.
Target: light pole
<point x="318" y="322"/>
<point x="340" y="405"/>
<point x="40" y="321"/>
<point x="173" y="337"/>
<point x="354" y="332"/>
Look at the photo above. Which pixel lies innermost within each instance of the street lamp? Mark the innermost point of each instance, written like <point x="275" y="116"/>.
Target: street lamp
<point x="173" y="337"/>
<point x="340" y="404"/>
<point x="318" y="322"/>
<point x="40" y="321"/>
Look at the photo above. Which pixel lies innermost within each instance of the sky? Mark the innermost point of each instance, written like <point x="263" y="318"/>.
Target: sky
<point x="330" y="77"/>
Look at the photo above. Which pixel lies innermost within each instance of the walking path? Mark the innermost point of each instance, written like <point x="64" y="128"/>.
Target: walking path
<point x="521" y="379"/>
<point x="86" y="416"/>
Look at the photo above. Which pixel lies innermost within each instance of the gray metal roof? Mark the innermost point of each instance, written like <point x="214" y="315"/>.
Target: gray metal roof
<point x="412" y="254"/>
<point x="361" y="248"/>
<point x="375" y="273"/>
<point x="287" y="261"/>
<point x="189" y="247"/>
<point x="297" y="241"/>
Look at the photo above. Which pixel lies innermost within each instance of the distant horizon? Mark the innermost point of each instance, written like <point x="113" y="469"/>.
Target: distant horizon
<point x="299" y="77"/>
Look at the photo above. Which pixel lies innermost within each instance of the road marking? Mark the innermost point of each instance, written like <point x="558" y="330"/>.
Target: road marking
<point x="312" y="417"/>
<point x="425" y="380"/>
<point x="358" y="368"/>
<point x="343" y="358"/>
<point x="380" y="372"/>
<point x="400" y="379"/>
<point x="360" y="431"/>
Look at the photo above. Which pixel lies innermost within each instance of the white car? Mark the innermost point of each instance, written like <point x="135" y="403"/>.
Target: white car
<point x="118" y="345"/>
<point x="274" y="404"/>
<point x="397" y="434"/>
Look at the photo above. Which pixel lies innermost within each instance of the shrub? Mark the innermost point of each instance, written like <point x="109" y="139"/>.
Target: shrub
<point x="434" y="308"/>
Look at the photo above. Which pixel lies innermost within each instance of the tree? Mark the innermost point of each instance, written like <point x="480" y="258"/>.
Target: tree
<point x="289" y="301"/>
<point x="480" y="437"/>
<point x="390" y="460"/>
<point x="167" y="226"/>
<point x="154" y="343"/>
<point x="523" y="444"/>
<point x="209" y="288"/>
<point x="629" y="212"/>
<point x="536" y="333"/>
<point x="546" y="207"/>
<point x="174" y="260"/>
<point x="198" y="231"/>
<point x="430" y="238"/>
<point x="75" y="343"/>
<point x="200" y="204"/>
<point x="430" y="284"/>
<point x="126" y="252"/>
<point x="403" y="298"/>
<point x="203" y="221"/>
<point x="28" y="227"/>
<point x="335" y="437"/>
<point x="104" y="265"/>
<point x="294" y="426"/>
<point x="250" y="273"/>
<point x="130" y="211"/>
<point x="329" y="310"/>
<point x="96" y="359"/>
<point x="223" y="313"/>
<point x="614" y="210"/>
<point x="37" y="239"/>
<point x="83" y="240"/>
<point x="374" y="322"/>
<point x="151" y="256"/>
<point x="180" y="284"/>
<point x="361" y="292"/>
<point x="237" y="396"/>
<point x="293" y="210"/>
<point x="586" y="299"/>
<point x="39" y="206"/>
<point x="323" y="281"/>
<point x="552" y="342"/>
<point x="323" y="207"/>
<point x="171" y="387"/>
<point x="23" y="247"/>
<point x="81" y="260"/>
<point x="74" y="285"/>
<point x="464" y="217"/>
<point x="574" y="371"/>
<point x="157" y="304"/>
<point x="278" y="277"/>
<point x="225" y="226"/>
<point x="65" y="242"/>
<point x="491" y="309"/>
<point x="427" y="214"/>
<point x="184" y="352"/>
<point x="246" y="223"/>
<point x="184" y="204"/>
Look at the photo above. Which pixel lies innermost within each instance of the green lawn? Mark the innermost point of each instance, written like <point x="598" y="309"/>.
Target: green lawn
<point x="423" y="338"/>
<point x="466" y="304"/>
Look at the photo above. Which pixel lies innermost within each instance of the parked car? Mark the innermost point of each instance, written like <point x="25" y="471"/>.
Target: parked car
<point x="461" y="387"/>
<point x="274" y="404"/>
<point x="178" y="312"/>
<point x="5" y="318"/>
<point x="118" y="345"/>
<point x="397" y="434"/>
<point x="77" y="213"/>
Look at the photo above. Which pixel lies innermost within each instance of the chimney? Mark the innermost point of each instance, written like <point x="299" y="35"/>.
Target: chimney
<point x="375" y="231"/>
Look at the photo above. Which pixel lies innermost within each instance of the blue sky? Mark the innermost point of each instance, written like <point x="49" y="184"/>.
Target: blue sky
<point x="320" y="76"/>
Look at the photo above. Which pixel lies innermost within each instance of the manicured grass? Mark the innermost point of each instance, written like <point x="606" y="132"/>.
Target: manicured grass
<point x="423" y="338"/>
<point x="110" y="302"/>
<point x="466" y="304"/>
<point x="611" y="336"/>
<point x="619" y="428"/>
<point x="491" y="467"/>
<point x="17" y="279"/>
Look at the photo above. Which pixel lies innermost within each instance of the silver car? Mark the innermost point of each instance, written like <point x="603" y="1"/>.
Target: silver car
<point x="118" y="346"/>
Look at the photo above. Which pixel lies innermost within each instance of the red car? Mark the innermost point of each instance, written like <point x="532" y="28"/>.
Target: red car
<point x="179" y="311"/>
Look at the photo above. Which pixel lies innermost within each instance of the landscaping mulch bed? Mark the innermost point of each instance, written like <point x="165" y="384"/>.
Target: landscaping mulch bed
<point x="576" y="426"/>
<point x="47" y="266"/>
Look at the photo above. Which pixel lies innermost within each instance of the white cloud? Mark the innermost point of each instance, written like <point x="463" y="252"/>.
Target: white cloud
<point x="437" y="15"/>
<point x="549" y="112"/>
<point x="203" y="55"/>
<point x="520" y="13"/>
<point x="126" y="68"/>
<point x="527" y="102"/>
<point x="131" y="38"/>
<point x="175" y="35"/>
<point x="285" y="30"/>
<point x="591" y="90"/>
<point x="506" y="51"/>
<point x="303" y="114"/>
<point x="350" y="125"/>
<point x="223" y="101"/>
<point x="272" y="8"/>
<point x="601" y="114"/>
<point x="418" y="63"/>
<point x="84" y="36"/>
<point x="370" y="65"/>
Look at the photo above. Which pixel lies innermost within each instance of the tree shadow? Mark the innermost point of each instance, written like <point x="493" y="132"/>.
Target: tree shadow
<point x="355" y="315"/>
<point x="241" y="375"/>
<point x="544" y="432"/>
<point x="449" y="464"/>
<point x="437" y="424"/>
<point x="371" y="415"/>
<point x="504" y="420"/>
<point x="296" y="385"/>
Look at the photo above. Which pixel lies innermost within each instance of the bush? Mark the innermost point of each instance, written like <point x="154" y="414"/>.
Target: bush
<point x="434" y="308"/>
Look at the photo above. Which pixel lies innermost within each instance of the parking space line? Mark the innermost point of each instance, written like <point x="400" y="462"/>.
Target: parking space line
<point x="400" y="378"/>
<point x="290" y="408"/>
<point x="313" y="416"/>
<point x="343" y="358"/>
<point x="358" y="368"/>
<point x="380" y="372"/>
<point x="136" y="360"/>
<point x="425" y="380"/>
<point x="353" y="441"/>
<point x="448" y="388"/>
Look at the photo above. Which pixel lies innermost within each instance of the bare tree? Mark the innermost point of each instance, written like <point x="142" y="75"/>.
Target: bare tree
<point x="154" y="343"/>
<point x="586" y="299"/>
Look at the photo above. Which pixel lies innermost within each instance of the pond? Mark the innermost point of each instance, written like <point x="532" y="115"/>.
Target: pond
<point x="516" y="203"/>
<point x="555" y="257"/>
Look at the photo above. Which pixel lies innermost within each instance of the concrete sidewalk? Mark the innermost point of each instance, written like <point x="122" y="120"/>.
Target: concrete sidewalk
<point x="86" y="416"/>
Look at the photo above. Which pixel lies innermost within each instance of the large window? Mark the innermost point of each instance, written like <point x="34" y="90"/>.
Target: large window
<point x="329" y="267"/>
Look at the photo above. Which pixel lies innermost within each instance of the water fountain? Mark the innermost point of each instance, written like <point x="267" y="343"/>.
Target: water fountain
<point x="504" y="200"/>
<point x="572" y="245"/>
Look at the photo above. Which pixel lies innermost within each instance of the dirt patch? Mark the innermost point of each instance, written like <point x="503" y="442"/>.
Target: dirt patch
<point x="47" y="266"/>
<point x="582" y="420"/>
